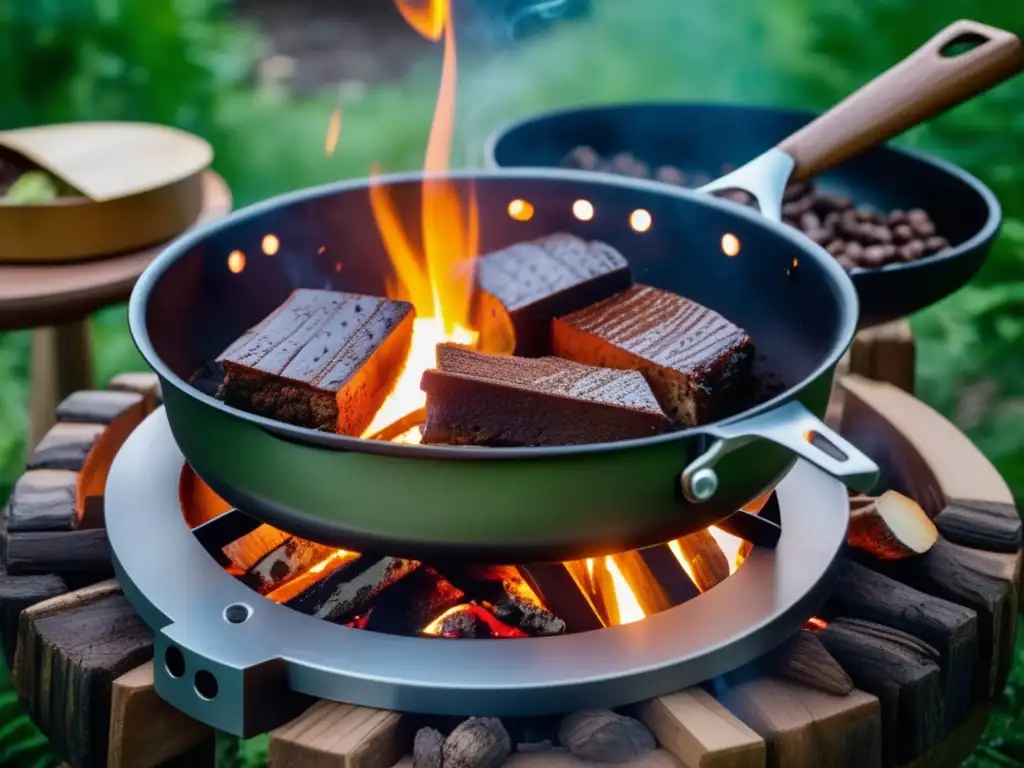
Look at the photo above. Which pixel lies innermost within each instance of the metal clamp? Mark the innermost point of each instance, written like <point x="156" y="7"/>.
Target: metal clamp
<point x="793" y="427"/>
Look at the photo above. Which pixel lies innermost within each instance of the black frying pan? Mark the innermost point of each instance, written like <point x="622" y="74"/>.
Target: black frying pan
<point x="701" y="138"/>
<point x="528" y="504"/>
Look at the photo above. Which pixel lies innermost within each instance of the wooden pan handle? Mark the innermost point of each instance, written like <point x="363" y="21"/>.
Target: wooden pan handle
<point x="928" y="82"/>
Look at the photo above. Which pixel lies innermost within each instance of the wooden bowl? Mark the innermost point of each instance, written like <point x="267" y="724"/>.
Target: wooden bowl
<point x="140" y="184"/>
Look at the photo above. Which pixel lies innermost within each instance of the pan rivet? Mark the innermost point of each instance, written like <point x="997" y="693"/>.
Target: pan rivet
<point x="703" y="484"/>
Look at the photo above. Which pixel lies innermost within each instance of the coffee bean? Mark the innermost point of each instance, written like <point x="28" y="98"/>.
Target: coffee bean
<point x="854" y="252"/>
<point x="836" y="247"/>
<point x="700" y="179"/>
<point x="809" y="221"/>
<point x="874" y="256"/>
<point x="936" y="244"/>
<point x="832" y="219"/>
<point x="798" y="208"/>
<point x="917" y="215"/>
<point x="797" y="191"/>
<point x="924" y="228"/>
<point x="896" y="216"/>
<point x="821" y="236"/>
<point x="669" y="174"/>
<point x="902" y="233"/>
<point x="583" y="158"/>
<point x="846" y="262"/>
<point x="833" y="202"/>
<point x="912" y="251"/>
<point x="865" y="214"/>
<point x="890" y="253"/>
<point x="883" y="235"/>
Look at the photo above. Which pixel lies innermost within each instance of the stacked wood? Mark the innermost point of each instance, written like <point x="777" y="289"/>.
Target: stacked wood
<point x="18" y="593"/>
<point x="903" y="673"/>
<point x="71" y="648"/>
<point x="558" y="590"/>
<point x="340" y="734"/>
<point x="950" y="629"/>
<point x="804" y="659"/>
<point x="708" y="565"/>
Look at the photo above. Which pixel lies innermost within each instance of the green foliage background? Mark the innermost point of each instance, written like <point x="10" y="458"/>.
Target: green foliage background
<point x="186" y="63"/>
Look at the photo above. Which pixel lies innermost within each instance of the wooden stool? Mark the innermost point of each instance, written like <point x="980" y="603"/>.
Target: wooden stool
<point x="904" y="672"/>
<point x="55" y="301"/>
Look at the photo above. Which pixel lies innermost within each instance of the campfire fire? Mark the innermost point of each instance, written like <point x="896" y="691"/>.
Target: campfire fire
<point x="482" y="601"/>
<point x="439" y="281"/>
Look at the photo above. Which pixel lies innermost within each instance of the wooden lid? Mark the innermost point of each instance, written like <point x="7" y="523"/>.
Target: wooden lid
<point x="106" y="161"/>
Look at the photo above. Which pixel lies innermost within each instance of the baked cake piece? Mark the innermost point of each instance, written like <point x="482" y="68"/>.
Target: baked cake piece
<point x="697" y="362"/>
<point x="528" y="284"/>
<point x="324" y="360"/>
<point x="492" y="400"/>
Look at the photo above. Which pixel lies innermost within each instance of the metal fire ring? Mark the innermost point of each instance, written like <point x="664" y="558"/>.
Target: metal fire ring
<point x="230" y="658"/>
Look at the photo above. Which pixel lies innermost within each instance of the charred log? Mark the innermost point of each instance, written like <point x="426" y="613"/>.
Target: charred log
<point x="347" y="589"/>
<point x="804" y="659"/>
<point x="890" y="527"/>
<point x="506" y="593"/>
<point x="409" y="605"/>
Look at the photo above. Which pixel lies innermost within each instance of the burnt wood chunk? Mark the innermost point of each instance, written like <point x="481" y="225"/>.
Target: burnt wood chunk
<point x="665" y="567"/>
<point x="950" y="629"/>
<point x="506" y="594"/>
<point x="70" y="650"/>
<point x="65" y="446"/>
<point x="981" y="524"/>
<point x="986" y="582"/>
<point x="285" y="562"/>
<point x="558" y="590"/>
<point x="146" y="384"/>
<point x="708" y="564"/>
<point x="696" y="361"/>
<point x="349" y="588"/>
<point x="804" y="659"/>
<point x="18" y="593"/>
<point x="407" y="607"/>
<point x="44" y="500"/>
<point x="323" y="360"/>
<point x="97" y="406"/>
<point x="494" y="400"/>
<point x="525" y="286"/>
<point x="903" y="673"/>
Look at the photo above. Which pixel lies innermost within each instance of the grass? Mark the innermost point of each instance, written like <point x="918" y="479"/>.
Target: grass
<point x="788" y="53"/>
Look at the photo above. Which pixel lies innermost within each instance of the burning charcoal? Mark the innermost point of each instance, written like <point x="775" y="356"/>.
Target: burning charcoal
<point x="426" y="748"/>
<point x="339" y="595"/>
<point x="604" y="736"/>
<point x="411" y="604"/>
<point x="477" y="399"/>
<point x="936" y="245"/>
<point x="323" y="360"/>
<point x="507" y="594"/>
<point x="560" y="593"/>
<point x="464" y="623"/>
<point x="582" y="158"/>
<point x="671" y="175"/>
<point x="699" y="375"/>
<point x="480" y="742"/>
<point x="528" y="284"/>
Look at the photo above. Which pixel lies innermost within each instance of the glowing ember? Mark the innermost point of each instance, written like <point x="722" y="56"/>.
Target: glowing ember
<point x="814" y="624"/>
<point x="629" y="608"/>
<point x="677" y="550"/>
<point x="300" y="584"/>
<point x="333" y="132"/>
<point x="607" y="589"/>
<point x="495" y="627"/>
<point x="320" y="567"/>
<point x="438" y="282"/>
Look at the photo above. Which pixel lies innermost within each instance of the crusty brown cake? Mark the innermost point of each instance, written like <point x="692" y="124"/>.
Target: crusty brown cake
<point x="323" y="359"/>
<point x="697" y="363"/>
<point x="492" y="400"/>
<point x="528" y="284"/>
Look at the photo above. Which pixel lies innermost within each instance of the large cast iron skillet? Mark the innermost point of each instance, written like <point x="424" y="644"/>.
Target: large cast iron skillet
<point x="528" y="504"/>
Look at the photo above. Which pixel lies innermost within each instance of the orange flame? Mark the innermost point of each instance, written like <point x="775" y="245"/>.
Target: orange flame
<point x="607" y="589"/>
<point x="333" y="132"/>
<point x="439" y="281"/>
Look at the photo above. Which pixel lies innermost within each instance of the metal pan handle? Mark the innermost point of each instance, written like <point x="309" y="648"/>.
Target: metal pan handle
<point x="793" y="427"/>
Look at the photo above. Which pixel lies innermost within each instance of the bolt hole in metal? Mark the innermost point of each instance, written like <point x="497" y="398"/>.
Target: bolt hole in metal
<point x="174" y="660"/>
<point x="237" y="613"/>
<point x="206" y="685"/>
<point x="824" y="445"/>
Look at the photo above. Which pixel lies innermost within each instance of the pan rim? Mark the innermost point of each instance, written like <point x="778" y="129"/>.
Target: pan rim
<point x="986" y="233"/>
<point x="838" y="280"/>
